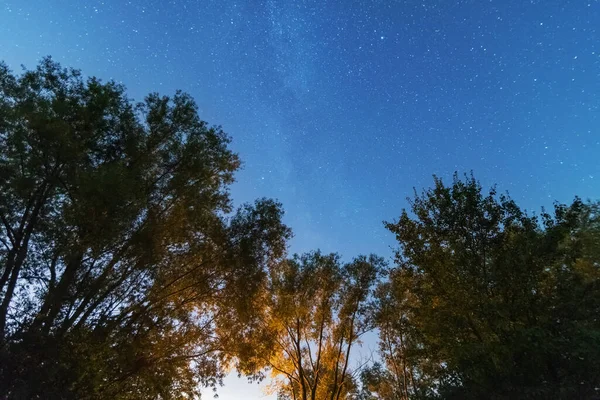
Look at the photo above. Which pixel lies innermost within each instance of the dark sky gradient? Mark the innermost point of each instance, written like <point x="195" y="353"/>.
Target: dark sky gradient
<point x="340" y="108"/>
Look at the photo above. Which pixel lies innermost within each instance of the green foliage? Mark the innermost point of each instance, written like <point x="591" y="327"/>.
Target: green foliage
<point x="489" y="302"/>
<point x="117" y="257"/>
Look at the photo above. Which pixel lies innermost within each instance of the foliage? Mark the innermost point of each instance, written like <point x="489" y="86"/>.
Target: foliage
<point x="118" y="258"/>
<point x="489" y="302"/>
<point x="125" y="273"/>
<point x="315" y="313"/>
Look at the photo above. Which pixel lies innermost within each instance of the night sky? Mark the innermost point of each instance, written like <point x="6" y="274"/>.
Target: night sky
<point x="339" y="108"/>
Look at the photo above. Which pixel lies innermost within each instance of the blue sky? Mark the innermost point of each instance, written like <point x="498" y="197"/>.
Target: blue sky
<point x="339" y="108"/>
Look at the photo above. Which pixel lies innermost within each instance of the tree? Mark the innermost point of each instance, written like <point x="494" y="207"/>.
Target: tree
<point x="408" y="372"/>
<point x="378" y="383"/>
<point x="315" y="314"/>
<point x="489" y="302"/>
<point x="118" y="256"/>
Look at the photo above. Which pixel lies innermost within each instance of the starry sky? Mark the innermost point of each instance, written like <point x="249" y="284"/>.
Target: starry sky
<point x="339" y="108"/>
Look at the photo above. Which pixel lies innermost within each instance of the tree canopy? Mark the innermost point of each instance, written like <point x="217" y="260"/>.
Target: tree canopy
<point x="487" y="301"/>
<point x="119" y="253"/>
<point x="315" y="313"/>
<point x="126" y="272"/>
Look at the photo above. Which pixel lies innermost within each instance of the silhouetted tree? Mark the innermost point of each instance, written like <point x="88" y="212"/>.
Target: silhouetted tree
<point x="489" y="302"/>
<point x="117" y="257"/>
